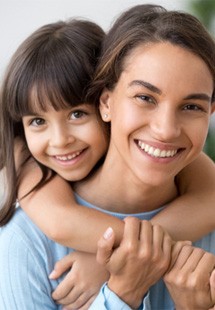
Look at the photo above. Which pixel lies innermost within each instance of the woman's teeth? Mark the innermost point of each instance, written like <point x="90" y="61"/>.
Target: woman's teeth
<point x="156" y="152"/>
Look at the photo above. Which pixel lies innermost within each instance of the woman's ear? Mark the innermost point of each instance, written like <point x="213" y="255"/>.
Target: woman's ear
<point x="104" y="106"/>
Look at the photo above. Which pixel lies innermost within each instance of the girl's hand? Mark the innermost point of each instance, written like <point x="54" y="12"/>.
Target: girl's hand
<point x="191" y="279"/>
<point x="82" y="283"/>
<point x="140" y="260"/>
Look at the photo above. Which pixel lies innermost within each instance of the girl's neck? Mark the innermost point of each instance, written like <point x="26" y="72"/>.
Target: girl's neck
<point x="113" y="188"/>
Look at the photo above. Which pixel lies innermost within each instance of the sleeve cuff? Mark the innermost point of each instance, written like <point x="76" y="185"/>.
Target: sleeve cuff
<point x="108" y="300"/>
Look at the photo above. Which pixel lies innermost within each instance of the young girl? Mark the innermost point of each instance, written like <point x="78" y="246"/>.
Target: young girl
<point x="53" y="126"/>
<point x="51" y="71"/>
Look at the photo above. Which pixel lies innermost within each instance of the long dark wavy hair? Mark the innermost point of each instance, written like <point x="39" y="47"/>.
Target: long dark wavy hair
<point x="57" y="62"/>
<point x="145" y="24"/>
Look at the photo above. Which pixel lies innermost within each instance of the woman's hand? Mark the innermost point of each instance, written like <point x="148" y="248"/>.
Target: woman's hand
<point x="191" y="279"/>
<point x="82" y="283"/>
<point x="140" y="260"/>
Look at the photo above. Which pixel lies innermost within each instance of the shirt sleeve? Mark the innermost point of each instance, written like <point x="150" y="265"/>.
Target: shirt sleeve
<point x="24" y="282"/>
<point x="108" y="300"/>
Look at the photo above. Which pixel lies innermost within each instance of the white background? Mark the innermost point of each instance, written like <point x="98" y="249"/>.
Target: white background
<point x="18" y="18"/>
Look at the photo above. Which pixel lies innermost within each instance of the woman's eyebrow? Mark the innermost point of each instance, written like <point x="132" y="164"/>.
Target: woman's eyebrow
<point x="199" y="96"/>
<point x="147" y="85"/>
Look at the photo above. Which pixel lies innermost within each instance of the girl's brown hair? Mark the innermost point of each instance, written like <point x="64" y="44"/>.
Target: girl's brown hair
<point x="56" y="63"/>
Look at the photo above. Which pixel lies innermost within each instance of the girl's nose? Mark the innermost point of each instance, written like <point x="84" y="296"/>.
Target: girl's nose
<point x="60" y="137"/>
<point x="166" y="125"/>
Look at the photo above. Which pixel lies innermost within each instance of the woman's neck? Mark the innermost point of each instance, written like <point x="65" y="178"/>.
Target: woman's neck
<point x="113" y="187"/>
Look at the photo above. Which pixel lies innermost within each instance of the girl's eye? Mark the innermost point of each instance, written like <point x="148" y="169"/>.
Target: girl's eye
<point x="77" y="114"/>
<point x="37" y="122"/>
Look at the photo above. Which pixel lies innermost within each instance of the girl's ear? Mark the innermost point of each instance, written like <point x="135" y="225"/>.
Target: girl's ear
<point x="104" y="106"/>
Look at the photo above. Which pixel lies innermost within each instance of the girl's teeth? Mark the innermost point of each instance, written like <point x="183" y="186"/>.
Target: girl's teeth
<point x="155" y="151"/>
<point x="69" y="157"/>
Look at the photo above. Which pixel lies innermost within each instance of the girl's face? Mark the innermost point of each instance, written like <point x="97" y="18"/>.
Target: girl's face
<point x="69" y="141"/>
<point x="159" y="111"/>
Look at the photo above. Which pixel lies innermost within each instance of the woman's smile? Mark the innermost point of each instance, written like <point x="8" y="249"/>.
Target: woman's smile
<point x="162" y="104"/>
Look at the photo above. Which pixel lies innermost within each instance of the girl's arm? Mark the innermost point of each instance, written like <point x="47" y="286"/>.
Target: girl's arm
<point x="54" y="210"/>
<point x="56" y="213"/>
<point x="191" y="216"/>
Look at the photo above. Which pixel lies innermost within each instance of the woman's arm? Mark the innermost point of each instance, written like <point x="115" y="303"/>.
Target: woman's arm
<point x="192" y="214"/>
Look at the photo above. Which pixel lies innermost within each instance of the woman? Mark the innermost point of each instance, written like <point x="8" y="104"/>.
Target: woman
<point x="156" y="78"/>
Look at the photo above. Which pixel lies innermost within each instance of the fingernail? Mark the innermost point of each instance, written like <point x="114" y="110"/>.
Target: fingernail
<point x="52" y="274"/>
<point x="108" y="233"/>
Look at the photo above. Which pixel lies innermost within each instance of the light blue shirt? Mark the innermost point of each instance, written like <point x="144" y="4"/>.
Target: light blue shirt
<point x="27" y="257"/>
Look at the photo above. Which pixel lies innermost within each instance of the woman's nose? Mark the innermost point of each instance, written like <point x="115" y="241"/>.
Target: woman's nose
<point x="166" y="125"/>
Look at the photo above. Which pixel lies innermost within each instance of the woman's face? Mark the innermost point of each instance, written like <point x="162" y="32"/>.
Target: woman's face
<point x="159" y="111"/>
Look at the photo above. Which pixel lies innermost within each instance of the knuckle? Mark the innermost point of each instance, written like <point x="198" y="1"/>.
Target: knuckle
<point x="180" y="281"/>
<point x="129" y="248"/>
<point x="193" y="282"/>
<point x="146" y="256"/>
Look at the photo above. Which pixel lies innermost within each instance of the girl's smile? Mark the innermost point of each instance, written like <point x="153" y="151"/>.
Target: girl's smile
<point x="69" y="141"/>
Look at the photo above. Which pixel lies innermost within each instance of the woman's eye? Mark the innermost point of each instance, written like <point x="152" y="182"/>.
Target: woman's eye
<point x="77" y="114"/>
<point x="193" y="107"/>
<point x="37" y="122"/>
<point x="146" y="98"/>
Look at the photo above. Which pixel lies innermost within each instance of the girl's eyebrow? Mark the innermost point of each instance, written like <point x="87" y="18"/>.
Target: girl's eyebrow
<point x="197" y="96"/>
<point x="147" y="85"/>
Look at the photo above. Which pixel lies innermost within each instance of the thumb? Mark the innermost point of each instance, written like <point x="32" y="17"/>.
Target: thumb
<point x="105" y="247"/>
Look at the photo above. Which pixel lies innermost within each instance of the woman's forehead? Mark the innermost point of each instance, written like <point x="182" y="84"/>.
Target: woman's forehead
<point x="166" y="65"/>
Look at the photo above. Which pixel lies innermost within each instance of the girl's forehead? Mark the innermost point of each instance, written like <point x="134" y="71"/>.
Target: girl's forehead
<point x="41" y="99"/>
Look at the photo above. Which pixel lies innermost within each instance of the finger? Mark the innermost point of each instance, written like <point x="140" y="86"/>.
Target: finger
<point x="131" y="233"/>
<point x="63" y="289"/>
<point x="146" y="235"/>
<point x="183" y="253"/>
<point x="206" y="266"/>
<point x="167" y="247"/>
<point x="105" y="247"/>
<point x="194" y="260"/>
<point x="212" y="286"/>
<point x="62" y="266"/>
<point x="212" y="280"/>
<point x="158" y="235"/>
<point x="87" y="305"/>
<point x="76" y="300"/>
<point x="81" y="302"/>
